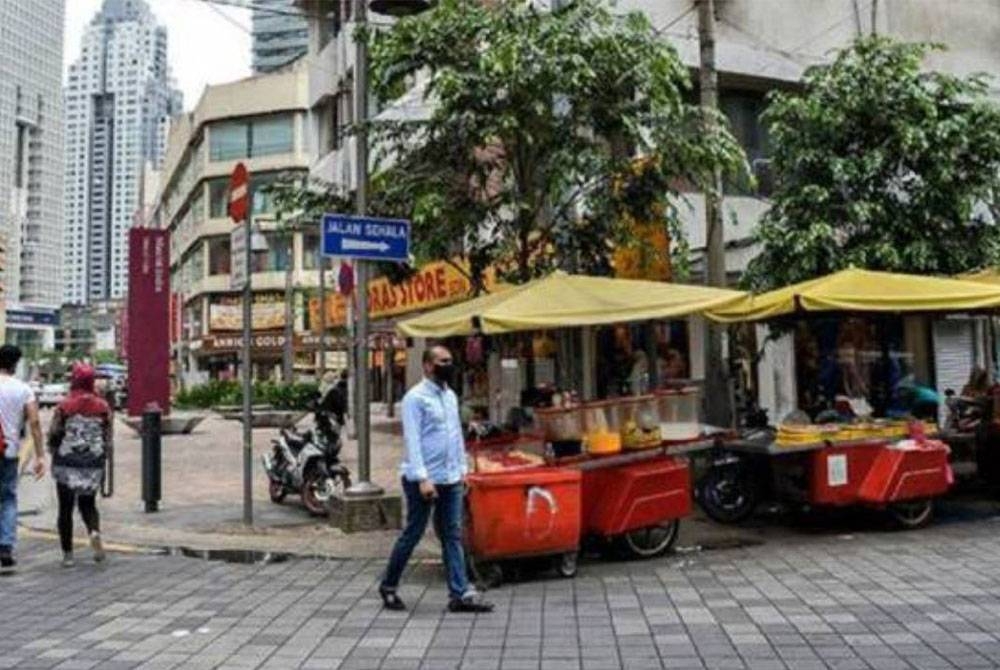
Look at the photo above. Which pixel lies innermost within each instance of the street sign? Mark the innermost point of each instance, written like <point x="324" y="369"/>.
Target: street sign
<point x="366" y="238"/>
<point x="237" y="262"/>
<point x="239" y="193"/>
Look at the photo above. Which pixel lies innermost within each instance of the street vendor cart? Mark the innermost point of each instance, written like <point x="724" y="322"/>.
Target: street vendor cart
<point x="604" y="471"/>
<point x="849" y="451"/>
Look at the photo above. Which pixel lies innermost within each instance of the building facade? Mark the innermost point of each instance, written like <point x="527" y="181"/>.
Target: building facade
<point x="31" y="162"/>
<point x="118" y="98"/>
<point x="280" y="34"/>
<point x="261" y="122"/>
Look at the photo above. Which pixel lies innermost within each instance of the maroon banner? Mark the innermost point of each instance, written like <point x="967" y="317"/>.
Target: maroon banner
<point x="148" y="319"/>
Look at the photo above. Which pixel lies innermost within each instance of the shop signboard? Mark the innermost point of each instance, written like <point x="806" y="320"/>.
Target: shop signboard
<point x="238" y="262"/>
<point x="226" y="314"/>
<point x="148" y="304"/>
<point x="433" y="285"/>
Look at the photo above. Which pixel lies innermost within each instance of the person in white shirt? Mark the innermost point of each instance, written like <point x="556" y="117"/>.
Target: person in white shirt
<point x="17" y="406"/>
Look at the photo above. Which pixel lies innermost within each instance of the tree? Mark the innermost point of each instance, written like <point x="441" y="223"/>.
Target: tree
<point x="880" y="165"/>
<point x="535" y="120"/>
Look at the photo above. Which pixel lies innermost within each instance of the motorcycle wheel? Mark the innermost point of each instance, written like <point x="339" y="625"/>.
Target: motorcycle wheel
<point x="312" y="484"/>
<point x="727" y="495"/>
<point x="277" y="491"/>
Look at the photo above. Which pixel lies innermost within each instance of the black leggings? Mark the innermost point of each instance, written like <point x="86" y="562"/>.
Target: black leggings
<point x="88" y="510"/>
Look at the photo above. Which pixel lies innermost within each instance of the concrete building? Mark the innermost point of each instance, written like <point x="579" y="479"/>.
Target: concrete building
<point x="31" y="167"/>
<point x="260" y="121"/>
<point x="119" y="96"/>
<point x="280" y="34"/>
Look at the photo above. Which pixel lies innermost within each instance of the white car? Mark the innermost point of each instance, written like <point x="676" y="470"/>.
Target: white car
<point x="52" y="394"/>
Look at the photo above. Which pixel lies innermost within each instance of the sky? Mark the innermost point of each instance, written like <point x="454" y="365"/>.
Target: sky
<point x="203" y="46"/>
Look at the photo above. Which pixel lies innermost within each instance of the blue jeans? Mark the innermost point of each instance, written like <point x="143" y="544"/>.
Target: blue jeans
<point x="8" y="502"/>
<point x="448" y="525"/>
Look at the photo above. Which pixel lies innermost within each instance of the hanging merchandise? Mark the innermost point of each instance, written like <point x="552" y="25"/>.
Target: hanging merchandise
<point x="474" y="350"/>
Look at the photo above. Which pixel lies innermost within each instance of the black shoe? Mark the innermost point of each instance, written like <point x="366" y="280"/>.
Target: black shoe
<point x="7" y="562"/>
<point x="391" y="600"/>
<point x="470" y="603"/>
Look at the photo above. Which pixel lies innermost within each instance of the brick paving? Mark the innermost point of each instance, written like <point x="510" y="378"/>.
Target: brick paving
<point x="879" y="601"/>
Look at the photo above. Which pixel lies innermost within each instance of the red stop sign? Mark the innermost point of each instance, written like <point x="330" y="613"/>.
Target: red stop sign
<point x="239" y="193"/>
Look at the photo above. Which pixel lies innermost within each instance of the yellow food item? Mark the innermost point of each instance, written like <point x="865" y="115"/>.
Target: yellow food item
<point x="604" y="442"/>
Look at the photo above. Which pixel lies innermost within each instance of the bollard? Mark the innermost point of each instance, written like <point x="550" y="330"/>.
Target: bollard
<point x="151" y="471"/>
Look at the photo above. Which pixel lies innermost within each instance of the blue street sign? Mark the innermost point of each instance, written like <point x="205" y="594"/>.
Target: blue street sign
<point x="366" y="238"/>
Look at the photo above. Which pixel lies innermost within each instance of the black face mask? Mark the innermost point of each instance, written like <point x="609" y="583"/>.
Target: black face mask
<point x="444" y="374"/>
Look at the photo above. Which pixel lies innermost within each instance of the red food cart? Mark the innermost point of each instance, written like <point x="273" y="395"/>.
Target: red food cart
<point x="901" y="477"/>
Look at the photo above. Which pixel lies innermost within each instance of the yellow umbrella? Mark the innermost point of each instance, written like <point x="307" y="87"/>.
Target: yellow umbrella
<point x="865" y="291"/>
<point x="564" y="301"/>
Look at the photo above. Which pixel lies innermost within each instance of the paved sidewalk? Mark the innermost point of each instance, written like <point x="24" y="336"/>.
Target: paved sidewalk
<point x="881" y="601"/>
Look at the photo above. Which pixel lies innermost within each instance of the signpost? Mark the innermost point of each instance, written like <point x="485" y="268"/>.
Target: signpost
<point x="239" y="212"/>
<point x="364" y="238"/>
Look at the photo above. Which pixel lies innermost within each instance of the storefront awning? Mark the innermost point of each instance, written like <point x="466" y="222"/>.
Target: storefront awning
<point x="565" y="301"/>
<point x="865" y="291"/>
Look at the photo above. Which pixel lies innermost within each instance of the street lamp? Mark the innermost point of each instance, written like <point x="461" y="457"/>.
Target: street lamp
<point x="364" y="485"/>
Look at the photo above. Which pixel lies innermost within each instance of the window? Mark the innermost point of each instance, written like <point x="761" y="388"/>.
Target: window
<point x="219" y="256"/>
<point x="310" y="250"/>
<point x="743" y="109"/>
<point x="262" y="201"/>
<point x="260" y="136"/>
<point x="218" y="197"/>
<point x="228" y="140"/>
<point x="277" y="256"/>
<point x="272" y="135"/>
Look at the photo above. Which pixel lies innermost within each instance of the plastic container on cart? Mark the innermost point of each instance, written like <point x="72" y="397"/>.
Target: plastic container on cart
<point x="504" y="453"/>
<point x="640" y="423"/>
<point x="678" y="411"/>
<point x="602" y="427"/>
<point x="520" y="514"/>
<point x="562" y="427"/>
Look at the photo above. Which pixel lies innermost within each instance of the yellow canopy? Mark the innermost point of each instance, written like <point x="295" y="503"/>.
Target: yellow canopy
<point x="865" y="291"/>
<point x="987" y="276"/>
<point x="564" y="301"/>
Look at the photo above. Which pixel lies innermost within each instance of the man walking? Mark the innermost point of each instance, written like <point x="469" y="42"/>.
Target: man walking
<point x="433" y="470"/>
<point x="17" y="404"/>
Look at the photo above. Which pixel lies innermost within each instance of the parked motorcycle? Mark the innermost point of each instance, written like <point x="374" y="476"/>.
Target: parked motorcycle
<point x="309" y="464"/>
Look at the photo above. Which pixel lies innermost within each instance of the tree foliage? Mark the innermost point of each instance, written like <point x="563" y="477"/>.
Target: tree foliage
<point x="535" y="119"/>
<point x="880" y="165"/>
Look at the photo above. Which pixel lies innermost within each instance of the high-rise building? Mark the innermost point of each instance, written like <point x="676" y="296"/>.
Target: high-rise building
<point x="280" y="34"/>
<point x="119" y="97"/>
<point x="31" y="151"/>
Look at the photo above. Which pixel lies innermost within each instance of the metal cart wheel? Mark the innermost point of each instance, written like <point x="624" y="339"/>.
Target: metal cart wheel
<point x="566" y="564"/>
<point x="727" y="494"/>
<point x="649" y="542"/>
<point x="912" y="514"/>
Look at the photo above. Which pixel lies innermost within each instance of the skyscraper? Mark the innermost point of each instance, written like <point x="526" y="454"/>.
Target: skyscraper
<point x="119" y="97"/>
<point x="280" y="34"/>
<point x="31" y="150"/>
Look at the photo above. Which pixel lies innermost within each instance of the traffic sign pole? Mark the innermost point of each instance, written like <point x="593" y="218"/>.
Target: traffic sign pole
<point x="239" y="212"/>
<point x="364" y="485"/>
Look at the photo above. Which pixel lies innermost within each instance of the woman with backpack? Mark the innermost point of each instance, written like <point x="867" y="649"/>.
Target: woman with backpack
<point x="80" y="439"/>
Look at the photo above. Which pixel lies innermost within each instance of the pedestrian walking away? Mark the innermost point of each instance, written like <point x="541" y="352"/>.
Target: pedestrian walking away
<point x="433" y="473"/>
<point x="17" y="406"/>
<point x="80" y="439"/>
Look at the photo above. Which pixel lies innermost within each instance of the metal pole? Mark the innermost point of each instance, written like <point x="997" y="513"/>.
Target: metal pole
<point x="322" y="315"/>
<point x="247" y="376"/>
<point x="717" y="410"/>
<point x="364" y="486"/>
<point x="288" y="362"/>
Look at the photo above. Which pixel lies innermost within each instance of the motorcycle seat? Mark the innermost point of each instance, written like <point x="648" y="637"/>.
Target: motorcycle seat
<point x="295" y="441"/>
